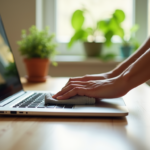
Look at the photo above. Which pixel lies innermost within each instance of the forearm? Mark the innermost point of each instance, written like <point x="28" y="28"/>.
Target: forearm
<point x="138" y="72"/>
<point x="125" y="64"/>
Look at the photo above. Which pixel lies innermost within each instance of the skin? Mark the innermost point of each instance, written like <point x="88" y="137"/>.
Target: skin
<point x="132" y="72"/>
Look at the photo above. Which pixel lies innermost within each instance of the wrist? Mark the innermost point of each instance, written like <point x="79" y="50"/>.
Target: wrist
<point x="112" y="74"/>
<point x="126" y="78"/>
<point x="123" y="84"/>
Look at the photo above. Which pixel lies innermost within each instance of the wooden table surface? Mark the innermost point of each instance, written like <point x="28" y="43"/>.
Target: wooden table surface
<point x="61" y="133"/>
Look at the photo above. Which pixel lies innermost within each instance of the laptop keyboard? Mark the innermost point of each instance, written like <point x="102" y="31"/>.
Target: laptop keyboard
<point x="36" y="100"/>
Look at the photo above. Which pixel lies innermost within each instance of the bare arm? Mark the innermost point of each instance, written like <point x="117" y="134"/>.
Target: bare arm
<point x="119" y="69"/>
<point x="137" y="73"/>
<point x="125" y="64"/>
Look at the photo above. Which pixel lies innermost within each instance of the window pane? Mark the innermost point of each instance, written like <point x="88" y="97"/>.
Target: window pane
<point x="99" y="9"/>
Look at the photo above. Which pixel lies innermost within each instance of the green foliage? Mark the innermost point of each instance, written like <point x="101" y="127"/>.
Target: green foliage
<point x="108" y="27"/>
<point x="37" y="44"/>
<point x="131" y="40"/>
<point x="112" y="26"/>
<point x="77" y="15"/>
<point x="81" y="32"/>
<point x="119" y="15"/>
<point x="106" y="57"/>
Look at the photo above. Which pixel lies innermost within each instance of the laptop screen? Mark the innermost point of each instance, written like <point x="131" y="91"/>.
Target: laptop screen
<point x="9" y="77"/>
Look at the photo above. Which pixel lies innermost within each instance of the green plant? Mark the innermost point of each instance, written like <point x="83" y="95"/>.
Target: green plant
<point x="107" y="57"/>
<point x="37" y="44"/>
<point x="80" y="31"/>
<point x="108" y="28"/>
<point x="130" y="40"/>
<point x="112" y="26"/>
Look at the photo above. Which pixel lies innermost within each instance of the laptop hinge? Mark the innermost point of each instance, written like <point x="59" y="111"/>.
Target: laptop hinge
<point x="11" y="98"/>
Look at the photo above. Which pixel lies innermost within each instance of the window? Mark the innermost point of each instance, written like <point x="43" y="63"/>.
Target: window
<point x="57" y="13"/>
<point x="98" y="9"/>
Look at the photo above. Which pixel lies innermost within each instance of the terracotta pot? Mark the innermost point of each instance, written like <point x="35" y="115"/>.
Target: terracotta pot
<point x="92" y="49"/>
<point x="37" y="69"/>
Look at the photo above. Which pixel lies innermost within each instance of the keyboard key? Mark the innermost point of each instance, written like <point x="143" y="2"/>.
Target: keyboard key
<point x="50" y="106"/>
<point x="32" y="101"/>
<point x="60" y="106"/>
<point x="41" y="105"/>
<point x="31" y="107"/>
<point x="33" y="104"/>
<point x="23" y="106"/>
<point x="69" y="106"/>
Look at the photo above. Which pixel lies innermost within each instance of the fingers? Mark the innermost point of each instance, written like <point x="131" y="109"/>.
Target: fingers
<point x="67" y="88"/>
<point x="74" y="83"/>
<point x="110" y="88"/>
<point x="76" y="79"/>
<point x="85" y="78"/>
<point x="72" y="92"/>
<point x="70" y="86"/>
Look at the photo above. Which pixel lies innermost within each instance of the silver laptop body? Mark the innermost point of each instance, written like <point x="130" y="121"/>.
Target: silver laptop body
<point x="15" y="101"/>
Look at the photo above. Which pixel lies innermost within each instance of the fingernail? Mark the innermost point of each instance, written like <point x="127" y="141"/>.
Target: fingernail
<point x="59" y="97"/>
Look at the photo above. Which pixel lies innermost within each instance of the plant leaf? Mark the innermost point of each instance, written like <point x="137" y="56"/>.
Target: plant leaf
<point x="120" y="32"/>
<point x="103" y="25"/>
<point x="108" y="37"/>
<point x="77" y="19"/>
<point x="80" y="34"/>
<point x="134" y="28"/>
<point x="119" y="15"/>
<point x="107" y="57"/>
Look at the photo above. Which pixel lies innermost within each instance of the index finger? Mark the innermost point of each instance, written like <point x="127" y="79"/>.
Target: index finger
<point x="72" y="92"/>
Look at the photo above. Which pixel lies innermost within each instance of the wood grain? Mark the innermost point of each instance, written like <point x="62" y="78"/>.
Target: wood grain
<point x="62" y="133"/>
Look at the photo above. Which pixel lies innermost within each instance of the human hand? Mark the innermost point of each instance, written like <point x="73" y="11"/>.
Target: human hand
<point x="107" y="88"/>
<point x="101" y="76"/>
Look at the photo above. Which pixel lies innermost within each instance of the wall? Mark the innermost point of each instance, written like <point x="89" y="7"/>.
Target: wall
<point x="17" y="15"/>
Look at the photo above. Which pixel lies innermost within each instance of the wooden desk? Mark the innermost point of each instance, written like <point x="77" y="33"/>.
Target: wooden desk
<point x="51" y="133"/>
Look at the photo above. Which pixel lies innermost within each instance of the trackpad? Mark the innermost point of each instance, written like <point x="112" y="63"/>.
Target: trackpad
<point x="103" y="105"/>
<point x="111" y="102"/>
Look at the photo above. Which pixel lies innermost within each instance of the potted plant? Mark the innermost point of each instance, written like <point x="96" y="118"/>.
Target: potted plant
<point x="129" y="42"/>
<point x="87" y="35"/>
<point x="37" y="47"/>
<point x="113" y="26"/>
<point x="90" y="35"/>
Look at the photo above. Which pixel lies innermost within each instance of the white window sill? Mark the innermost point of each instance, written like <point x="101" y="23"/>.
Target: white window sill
<point x="71" y="66"/>
<point x="83" y="59"/>
<point x="80" y="65"/>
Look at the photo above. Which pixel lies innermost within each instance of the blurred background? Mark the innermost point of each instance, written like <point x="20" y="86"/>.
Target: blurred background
<point x="22" y="14"/>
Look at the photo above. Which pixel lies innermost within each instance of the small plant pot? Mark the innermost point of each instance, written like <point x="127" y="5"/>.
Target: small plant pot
<point x="92" y="49"/>
<point x="37" y="69"/>
<point x="126" y="51"/>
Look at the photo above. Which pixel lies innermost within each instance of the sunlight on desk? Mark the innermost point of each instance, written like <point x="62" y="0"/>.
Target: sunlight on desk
<point x="52" y="84"/>
<point x="66" y="133"/>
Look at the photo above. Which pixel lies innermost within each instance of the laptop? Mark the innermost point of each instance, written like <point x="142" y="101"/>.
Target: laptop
<point x="15" y="101"/>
